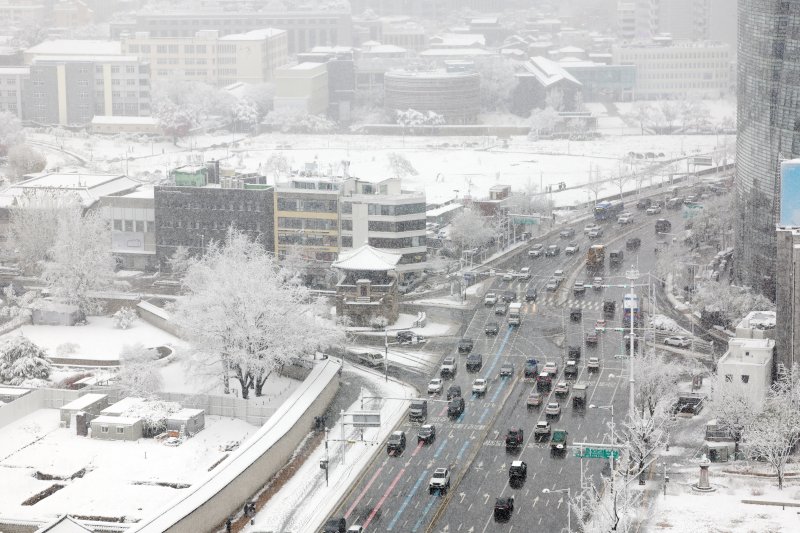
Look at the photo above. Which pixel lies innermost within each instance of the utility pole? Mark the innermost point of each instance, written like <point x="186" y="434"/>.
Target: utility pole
<point x="632" y="275"/>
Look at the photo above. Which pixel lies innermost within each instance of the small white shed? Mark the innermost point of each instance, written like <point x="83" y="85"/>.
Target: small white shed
<point x="90" y="403"/>
<point x="191" y="420"/>
<point x="117" y="428"/>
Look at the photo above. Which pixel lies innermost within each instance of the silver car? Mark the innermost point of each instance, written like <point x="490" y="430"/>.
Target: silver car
<point x="552" y="410"/>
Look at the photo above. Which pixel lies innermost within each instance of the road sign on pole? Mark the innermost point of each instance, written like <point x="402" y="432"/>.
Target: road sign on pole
<point x="596" y="453"/>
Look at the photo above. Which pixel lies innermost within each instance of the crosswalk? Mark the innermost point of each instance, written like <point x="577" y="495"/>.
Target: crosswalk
<point x="552" y="301"/>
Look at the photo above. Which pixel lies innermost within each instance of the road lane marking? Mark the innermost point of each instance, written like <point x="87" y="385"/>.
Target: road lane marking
<point x="405" y="503"/>
<point x="366" y="488"/>
<point x="383" y="498"/>
<point x="418" y="448"/>
<point x="425" y="512"/>
<point x="462" y="450"/>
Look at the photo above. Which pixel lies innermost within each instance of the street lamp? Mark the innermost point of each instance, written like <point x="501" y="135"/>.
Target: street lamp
<point x="569" y="503"/>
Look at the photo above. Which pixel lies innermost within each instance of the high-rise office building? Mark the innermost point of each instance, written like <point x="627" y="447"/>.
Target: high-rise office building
<point x="768" y="125"/>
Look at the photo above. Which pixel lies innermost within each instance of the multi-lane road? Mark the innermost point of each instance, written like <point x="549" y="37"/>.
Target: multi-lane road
<point x="393" y="493"/>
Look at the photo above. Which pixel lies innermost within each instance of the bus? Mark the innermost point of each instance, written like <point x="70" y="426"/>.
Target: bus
<point x="608" y="210"/>
<point x="630" y="305"/>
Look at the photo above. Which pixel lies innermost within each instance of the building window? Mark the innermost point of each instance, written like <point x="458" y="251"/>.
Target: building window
<point x="103" y="429"/>
<point x="745" y="378"/>
<point x="117" y="225"/>
<point x="729" y="378"/>
<point x="140" y="226"/>
<point x="347" y="241"/>
<point x="129" y="225"/>
<point x="83" y="83"/>
<point x="115" y="69"/>
<point x="120" y="431"/>
<point x="133" y="48"/>
<point x="130" y="69"/>
<point x="161" y="49"/>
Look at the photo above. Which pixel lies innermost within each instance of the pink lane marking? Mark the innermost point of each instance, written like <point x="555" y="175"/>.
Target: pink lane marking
<point x="383" y="498"/>
<point x="364" y="492"/>
<point x="419" y="447"/>
<point x="443" y="410"/>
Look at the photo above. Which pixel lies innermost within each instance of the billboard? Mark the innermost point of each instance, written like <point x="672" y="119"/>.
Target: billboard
<point x="790" y="193"/>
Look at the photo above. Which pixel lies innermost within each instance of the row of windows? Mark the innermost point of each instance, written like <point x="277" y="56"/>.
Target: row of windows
<point x="387" y="210"/>
<point x="307" y="223"/>
<point x="8" y="107"/>
<point x="314" y="206"/>
<point x="402" y="242"/>
<point x="214" y="225"/>
<point x="140" y="226"/>
<point x="308" y="240"/>
<point x="174" y="203"/>
<point x="395" y="227"/>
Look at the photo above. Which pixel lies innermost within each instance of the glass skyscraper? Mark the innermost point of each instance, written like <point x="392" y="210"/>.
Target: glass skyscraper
<point x="768" y="124"/>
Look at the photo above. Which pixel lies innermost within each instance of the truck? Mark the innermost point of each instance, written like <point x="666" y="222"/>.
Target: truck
<point x="616" y="257"/>
<point x="595" y="257"/>
<point x="515" y="313"/>
<point x="579" y="395"/>
<point x="558" y="442"/>
<point x="418" y="411"/>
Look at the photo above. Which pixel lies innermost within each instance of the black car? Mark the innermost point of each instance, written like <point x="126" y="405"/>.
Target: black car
<point x="407" y="337"/>
<point x="455" y="407"/>
<point x="575" y="314"/>
<point x="509" y="296"/>
<point x="453" y="392"/>
<point x="644" y="203"/>
<point x="518" y="470"/>
<point x="633" y="243"/>
<point x="503" y="508"/>
<point x="574" y="352"/>
<point x="530" y="295"/>
<point x="492" y="328"/>
<point x="427" y="434"/>
<point x="474" y="362"/>
<point x="465" y="345"/>
<point x="335" y="525"/>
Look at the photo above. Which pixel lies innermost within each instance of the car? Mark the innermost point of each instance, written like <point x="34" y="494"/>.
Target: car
<point x="567" y="233"/>
<point x="593" y="364"/>
<point x="597" y="283"/>
<point x="591" y="337"/>
<point x="541" y="432"/>
<point x="572" y="248"/>
<point x="454" y="391"/>
<point x="474" y="362"/>
<point x="553" y="250"/>
<point x="552" y="410"/>
<point x="440" y="481"/>
<point x="509" y="296"/>
<point x="465" y="345"/>
<point x="492" y="328"/>
<point x="372" y="359"/>
<point x="518" y="471"/>
<point x="653" y="210"/>
<point x="575" y="314"/>
<point x="544" y="381"/>
<point x="408" y="337"/>
<point x="595" y="233"/>
<point x="600" y="323"/>
<point x="574" y="352"/>
<point x="418" y="410"/>
<point x="507" y="370"/>
<point x="508" y="276"/>
<point x="679" y="342"/>
<point x="579" y="288"/>
<point x="589" y="228"/>
<point x="455" y="407"/>
<point x="515" y="438"/>
<point x="426" y="434"/>
<point x="633" y="243"/>
<point x="479" y="386"/>
<point x="551" y="368"/>
<point x="530" y="294"/>
<point x="449" y="368"/>
<point x="501" y="308"/>
<point x="355" y="529"/>
<point x="534" y="399"/>
<point x="558" y="275"/>
<point x="396" y="443"/>
<point x="571" y="369"/>
<point x="335" y="525"/>
<point x="558" y="443"/>
<point x="644" y="203"/>
<point x="435" y="386"/>
<point x="531" y="367"/>
<point x="490" y="298"/>
<point x="562" y="387"/>
<point x="524" y="273"/>
<point x="625" y="218"/>
<point x="536" y="250"/>
<point x="552" y="285"/>
<point x="503" y="508"/>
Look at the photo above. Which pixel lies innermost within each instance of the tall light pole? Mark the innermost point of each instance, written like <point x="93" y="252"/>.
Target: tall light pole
<point x="632" y="275"/>
<point x="569" y="504"/>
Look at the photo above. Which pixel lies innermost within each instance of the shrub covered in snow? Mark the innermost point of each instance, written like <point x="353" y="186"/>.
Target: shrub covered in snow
<point x="125" y="317"/>
<point x="154" y="414"/>
<point x="664" y="323"/>
<point x="138" y="373"/>
<point x="66" y="348"/>
<point x="21" y="359"/>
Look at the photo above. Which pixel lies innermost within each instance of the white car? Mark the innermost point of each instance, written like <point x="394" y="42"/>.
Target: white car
<point x="680" y="342"/>
<point x="595" y="233"/>
<point x="625" y="218"/>
<point x="553" y="409"/>
<point x="508" y="276"/>
<point x="572" y="248"/>
<point x="479" y="386"/>
<point x="536" y="250"/>
<point x="524" y="273"/>
<point x="551" y="368"/>
<point x="653" y="210"/>
<point x="435" y="386"/>
<point x="590" y="227"/>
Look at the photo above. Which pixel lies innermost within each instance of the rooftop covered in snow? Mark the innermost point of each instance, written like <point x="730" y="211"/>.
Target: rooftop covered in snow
<point x="88" y="187"/>
<point x="367" y="258"/>
<point x="62" y="47"/>
<point x="547" y="72"/>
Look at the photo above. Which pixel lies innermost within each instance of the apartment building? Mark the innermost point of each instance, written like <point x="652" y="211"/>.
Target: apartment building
<point x="133" y="228"/>
<point x="303" y="87"/>
<point x="208" y="57"/>
<point x="307" y="217"/>
<point x="305" y="29"/>
<point x="20" y="13"/>
<point x="680" y="69"/>
<point x="13" y="85"/>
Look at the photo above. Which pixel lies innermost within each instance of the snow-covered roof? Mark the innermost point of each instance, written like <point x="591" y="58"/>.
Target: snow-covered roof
<point x="62" y="47"/>
<point x="88" y="187"/>
<point x="254" y="35"/>
<point x="434" y="52"/>
<point x="442" y="210"/>
<point x="13" y="391"/>
<point x="13" y="71"/>
<point x="548" y="72"/>
<point x="122" y="405"/>
<point x="571" y="50"/>
<point x="65" y="524"/>
<point x="89" y="58"/>
<point x="118" y="420"/>
<point x="84" y="401"/>
<point x="386" y="49"/>
<point x="758" y="320"/>
<point x="367" y="258"/>
<point x="185" y="414"/>
<point x="459" y="39"/>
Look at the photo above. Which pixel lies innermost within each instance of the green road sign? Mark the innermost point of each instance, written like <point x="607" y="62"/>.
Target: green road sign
<point x="524" y="220"/>
<point x="596" y="453"/>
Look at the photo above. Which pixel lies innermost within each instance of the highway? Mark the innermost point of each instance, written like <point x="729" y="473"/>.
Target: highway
<point x="393" y="493"/>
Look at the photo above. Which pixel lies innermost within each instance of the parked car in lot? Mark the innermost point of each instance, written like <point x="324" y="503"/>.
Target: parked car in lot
<point x="553" y="410"/>
<point x="372" y="359"/>
<point x="567" y="233"/>
<point x="435" y="386"/>
<point x="572" y="248"/>
<point x="677" y="341"/>
<point x="553" y="250"/>
<point x="534" y="399"/>
<point x="536" y="250"/>
<point x="491" y="328"/>
<point x="479" y="386"/>
<point x="426" y="434"/>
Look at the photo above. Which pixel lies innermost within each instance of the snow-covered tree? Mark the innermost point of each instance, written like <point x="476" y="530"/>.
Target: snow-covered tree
<point x="11" y="133"/>
<point x="243" y="317"/>
<point x="669" y="112"/>
<point x="81" y="259"/>
<point x="179" y="260"/>
<point x="542" y="121"/>
<point x="277" y="164"/>
<point x="413" y="119"/>
<point x="22" y="160"/>
<point x="611" y="505"/>
<point x="470" y="230"/>
<point x="176" y="121"/>
<point x="125" y="317"/>
<point x="554" y="99"/>
<point x="498" y="82"/>
<point x="732" y="406"/>
<point x="298" y="121"/>
<point x="595" y="185"/>
<point x="260" y="94"/>
<point x="643" y="113"/>
<point x="694" y="114"/>
<point x="245" y="113"/>
<point x="16" y="305"/>
<point x="138" y="373"/>
<point x="399" y="165"/>
<point x="734" y="302"/>
<point x="21" y="359"/>
<point x="644" y="434"/>
<point x="33" y="225"/>
<point x="656" y="382"/>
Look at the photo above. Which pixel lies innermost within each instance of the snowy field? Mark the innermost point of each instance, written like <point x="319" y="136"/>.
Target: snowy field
<point x="99" y="339"/>
<point x="121" y="478"/>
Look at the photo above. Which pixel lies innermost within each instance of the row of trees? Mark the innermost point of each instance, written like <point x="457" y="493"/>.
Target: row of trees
<point x="22" y="159"/>
<point x="669" y="116"/>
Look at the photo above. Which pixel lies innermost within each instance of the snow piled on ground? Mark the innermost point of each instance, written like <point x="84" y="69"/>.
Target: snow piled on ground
<point x="120" y="478"/>
<point x="664" y="323"/>
<point x="305" y="501"/>
<point x="99" y="339"/>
